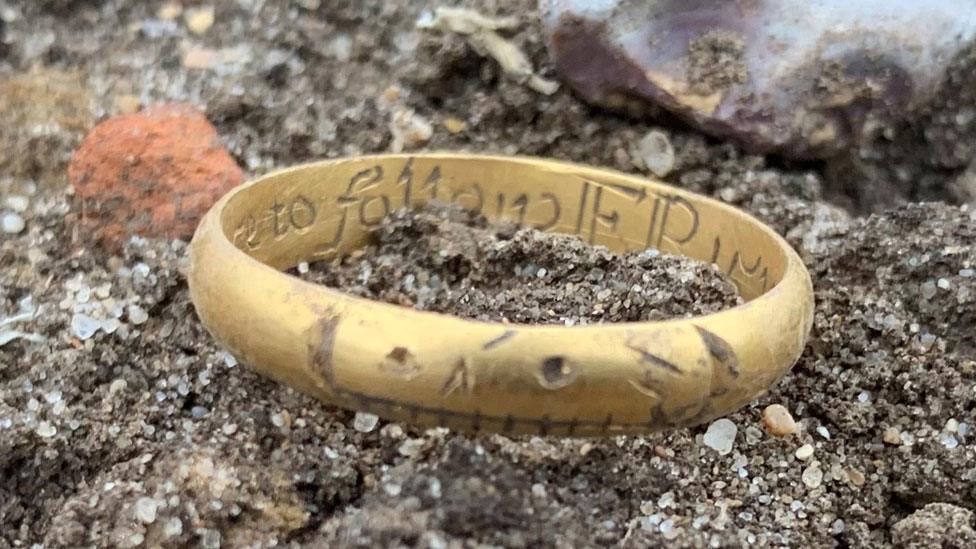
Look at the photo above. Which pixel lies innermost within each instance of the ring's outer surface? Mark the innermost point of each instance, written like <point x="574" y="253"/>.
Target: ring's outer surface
<point x="435" y="369"/>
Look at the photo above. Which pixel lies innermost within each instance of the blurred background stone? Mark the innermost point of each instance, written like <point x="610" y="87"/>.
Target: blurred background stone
<point x="802" y="78"/>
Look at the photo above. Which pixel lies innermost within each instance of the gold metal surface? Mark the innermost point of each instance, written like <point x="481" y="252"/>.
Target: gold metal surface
<point x="434" y="369"/>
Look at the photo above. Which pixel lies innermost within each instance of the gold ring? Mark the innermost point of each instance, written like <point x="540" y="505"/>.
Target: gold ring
<point x="434" y="369"/>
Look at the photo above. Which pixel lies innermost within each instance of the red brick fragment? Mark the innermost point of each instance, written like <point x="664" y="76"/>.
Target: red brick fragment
<point x="153" y="173"/>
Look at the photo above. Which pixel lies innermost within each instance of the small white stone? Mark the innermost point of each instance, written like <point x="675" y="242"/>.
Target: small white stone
<point x="111" y="325"/>
<point x="340" y="48"/>
<point x="173" y="527"/>
<point x="656" y="153"/>
<point x="720" y="436"/>
<point x="303" y="267"/>
<point x="411" y="447"/>
<point x="951" y="426"/>
<point x="822" y="431"/>
<point x="804" y="452"/>
<point x="17" y="203"/>
<point x="137" y="315"/>
<point x="812" y="476"/>
<point x="45" y="430"/>
<point x="666" y="500"/>
<point x="667" y="529"/>
<point x="84" y="326"/>
<point x="949" y="441"/>
<point x="12" y="223"/>
<point x="538" y="490"/>
<point x="117" y="386"/>
<point x="365" y="422"/>
<point x="145" y="509"/>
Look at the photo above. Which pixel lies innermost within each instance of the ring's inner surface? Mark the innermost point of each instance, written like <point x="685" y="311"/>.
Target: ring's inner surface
<point x="319" y="211"/>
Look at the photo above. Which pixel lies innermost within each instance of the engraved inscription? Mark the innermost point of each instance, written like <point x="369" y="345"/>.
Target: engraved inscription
<point x="672" y="230"/>
<point x="297" y="214"/>
<point x="472" y="198"/>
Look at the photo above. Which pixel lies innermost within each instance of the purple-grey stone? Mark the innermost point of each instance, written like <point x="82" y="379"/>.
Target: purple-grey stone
<point x="804" y="78"/>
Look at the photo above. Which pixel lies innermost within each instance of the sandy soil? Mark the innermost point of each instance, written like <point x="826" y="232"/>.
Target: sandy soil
<point x="146" y="433"/>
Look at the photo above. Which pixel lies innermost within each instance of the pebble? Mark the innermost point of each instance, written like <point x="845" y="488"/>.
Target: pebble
<point x="778" y="421"/>
<point x="173" y="527"/>
<point x="668" y="530"/>
<point x="12" y="223"/>
<point x="145" y="510"/>
<point x="891" y="436"/>
<point x="857" y="477"/>
<point x="45" y="430"/>
<point x="409" y="130"/>
<point x="949" y="441"/>
<point x="199" y="20"/>
<point x="365" y="422"/>
<point x="720" y="436"/>
<point x="169" y="11"/>
<point x="812" y="476"/>
<point x="17" y="203"/>
<point x="656" y="153"/>
<point x="804" y="452"/>
<point x="137" y="315"/>
<point x="84" y="326"/>
<point x="200" y="58"/>
<point x="454" y="125"/>
<point x="411" y="447"/>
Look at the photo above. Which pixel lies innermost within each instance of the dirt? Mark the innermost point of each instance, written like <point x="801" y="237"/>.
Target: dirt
<point x="145" y="432"/>
<point x="445" y="259"/>
<point x="715" y="62"/>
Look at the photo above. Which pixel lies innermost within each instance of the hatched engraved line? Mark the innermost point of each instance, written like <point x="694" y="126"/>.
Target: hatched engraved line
<point x="720" y="350"/>
<point x="322" y="362"/>
<point x="651" y="358"/>
<point x="493" y="343"/>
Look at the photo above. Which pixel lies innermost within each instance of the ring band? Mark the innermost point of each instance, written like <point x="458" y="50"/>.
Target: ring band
<point x="434" y="369"/>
